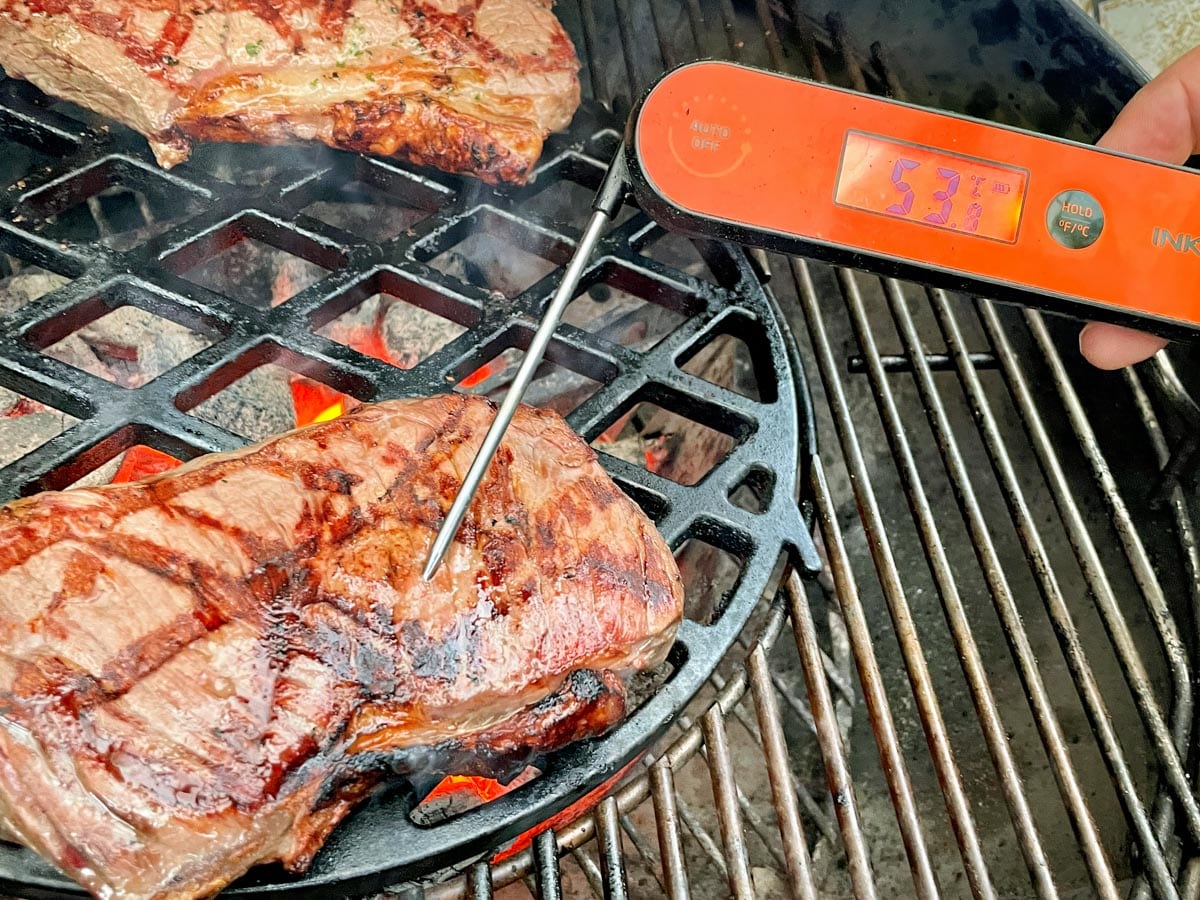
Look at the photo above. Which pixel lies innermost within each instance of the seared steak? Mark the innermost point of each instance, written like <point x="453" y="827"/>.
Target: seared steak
<point x="208" y="669"/>
<point x="470" y="87"/>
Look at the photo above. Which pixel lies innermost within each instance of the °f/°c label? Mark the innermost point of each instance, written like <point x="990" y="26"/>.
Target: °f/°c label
<point x="708" y="136"/>
<point x="1075" y="219"/>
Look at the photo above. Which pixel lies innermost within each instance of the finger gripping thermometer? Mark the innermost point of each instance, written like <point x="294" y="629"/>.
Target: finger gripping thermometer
<point x="719" y="150"/>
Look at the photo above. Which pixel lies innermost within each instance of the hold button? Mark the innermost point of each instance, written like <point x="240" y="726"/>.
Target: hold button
<point x="1075" y="219"/>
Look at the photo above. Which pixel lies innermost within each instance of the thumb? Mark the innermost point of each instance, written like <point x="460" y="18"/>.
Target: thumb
<point x="1161" y="122"/>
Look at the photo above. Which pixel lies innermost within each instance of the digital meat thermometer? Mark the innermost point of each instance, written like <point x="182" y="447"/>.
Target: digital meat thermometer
<point x="725" y="151"/>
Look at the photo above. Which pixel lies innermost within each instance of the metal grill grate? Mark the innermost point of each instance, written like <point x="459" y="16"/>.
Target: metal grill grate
<point x="988" y="692"/>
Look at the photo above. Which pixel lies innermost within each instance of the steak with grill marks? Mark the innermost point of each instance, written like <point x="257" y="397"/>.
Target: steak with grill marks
<point x="208" y="669"/>
<point x="468" y="86"/>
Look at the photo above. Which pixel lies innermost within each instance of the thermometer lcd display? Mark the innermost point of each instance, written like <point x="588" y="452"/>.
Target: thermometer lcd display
<point x="931" y="187"/>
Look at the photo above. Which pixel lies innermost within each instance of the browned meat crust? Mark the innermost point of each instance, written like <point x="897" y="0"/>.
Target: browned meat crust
<point x="471" y="87"/>
<point x="208" y="669"/>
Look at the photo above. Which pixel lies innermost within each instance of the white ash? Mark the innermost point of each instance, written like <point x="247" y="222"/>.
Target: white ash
<point x="128" y="346"/>
<point x="26" y="284"/>
<point x="256" y="406"/>
<point x="409" y="333"/>
<point x="366" y="211"/>
<point x="493" y="263"/>
<point x="26" y="424"/>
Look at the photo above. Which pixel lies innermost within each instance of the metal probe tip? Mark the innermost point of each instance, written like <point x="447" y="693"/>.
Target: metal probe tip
<point x="607" y="201"/>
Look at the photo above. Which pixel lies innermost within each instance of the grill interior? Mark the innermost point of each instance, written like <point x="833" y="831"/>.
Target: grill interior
<point x="986" y="693"/>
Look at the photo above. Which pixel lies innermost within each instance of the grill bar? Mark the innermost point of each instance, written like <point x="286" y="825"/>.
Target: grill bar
<point x="612" y="860"/>
<point x="725" y="794"/>
<point x="795" y="848"/>
<point x="874" y="694"/>
<point x="841" y="784"/>
<point x="964" y="642"/>
<point x="1065" y="628"/>
<point x="670" y="841"/>
<point x="546" y="871"/>
<point x="1190" y="550"/>
<point x="481" y="882"/>
<point x="935" y="362"/>
<point x="1167" y="741"/>
<point x="916" y="664"/>
<point x="1048" y="723"/>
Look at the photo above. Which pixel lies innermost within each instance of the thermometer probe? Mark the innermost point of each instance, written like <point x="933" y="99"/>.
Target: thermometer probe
<point x="720" y="150"/>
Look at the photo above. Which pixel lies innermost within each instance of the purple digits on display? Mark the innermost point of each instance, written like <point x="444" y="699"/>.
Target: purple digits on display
<point x="905" y="206"/>
<point x="971" y="222"/>
<point x="944" y="196"/>
<point x="952" y="179"/>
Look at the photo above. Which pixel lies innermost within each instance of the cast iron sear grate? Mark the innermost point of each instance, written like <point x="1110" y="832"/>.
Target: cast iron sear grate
<point x="125" y="238"/>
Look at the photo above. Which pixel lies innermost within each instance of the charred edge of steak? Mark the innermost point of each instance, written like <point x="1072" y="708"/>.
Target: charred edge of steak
<point x="424" y="132"/>
<point x="587" y="705"/>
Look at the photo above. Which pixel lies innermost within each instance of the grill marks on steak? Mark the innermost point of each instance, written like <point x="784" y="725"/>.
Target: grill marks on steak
<point x="471" y="87"/>
<point x="208" y="669"/>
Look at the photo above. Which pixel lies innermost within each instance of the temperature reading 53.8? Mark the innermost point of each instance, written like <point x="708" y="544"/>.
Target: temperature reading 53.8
<point x="932" y="187"/>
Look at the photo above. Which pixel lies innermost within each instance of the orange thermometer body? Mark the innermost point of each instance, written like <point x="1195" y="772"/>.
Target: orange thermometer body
<point x="730" y="152"/>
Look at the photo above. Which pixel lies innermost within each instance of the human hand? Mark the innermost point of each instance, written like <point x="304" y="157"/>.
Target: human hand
<point x="1161" y="122"/>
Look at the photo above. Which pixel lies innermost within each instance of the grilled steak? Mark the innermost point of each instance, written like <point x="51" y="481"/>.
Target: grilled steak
<point x="208" y="669"/>
<point x="470" y="87"/>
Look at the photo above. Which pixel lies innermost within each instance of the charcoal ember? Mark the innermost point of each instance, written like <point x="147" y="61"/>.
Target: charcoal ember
<point x="708" y="573"/>
<point x="128" y="346"/>
<point x="128" y="238"/>
<point x="244" y="271"/>
<point x="621" y="318"/>
<point x="626" y="446"/>
<point x="553" y="387"/>
<point x="362" y="210"/>
<point x="494" y="264"/>
<point x="123" y="218"/>
<point x="413" y="334"/>
<point x="726" y="362"/>
<point x="14" y="405"/>
<point x="102" y="475"/>
<point x="256" y="406"/>
<point x="386" y="327"/>
<point x="560" y="390"/>
<point x="25" y="285"/>
<point x="292" y="275"/>
<point x="20" y="435"/>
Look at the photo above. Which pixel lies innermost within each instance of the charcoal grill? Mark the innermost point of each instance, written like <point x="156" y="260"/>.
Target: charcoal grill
<point x="985" y="692"/>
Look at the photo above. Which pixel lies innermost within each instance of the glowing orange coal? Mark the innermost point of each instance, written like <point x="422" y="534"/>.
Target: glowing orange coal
<point x="577" y="809"/>
<point x="141" y="462"/>
<point x="317" y="402"/>
<point x="484" y="790"/>
<point x="482" y="374"/>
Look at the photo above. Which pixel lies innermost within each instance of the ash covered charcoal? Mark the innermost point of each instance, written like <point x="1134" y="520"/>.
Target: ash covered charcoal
<point x="366" y="211"/>
<point x="256" y="406"/>
<point x="494" y="264"/>
<point x="392" y="329"/>
<point x="26" y="424"/>
<point x="102" y="475"/>
<point x="621" y="318"/>
<point x="26" y="284"/>
<point x="559" y="389"/>
<point x="247" y="271"/>
<point x="413" y="333"/>
<point x="128" y="346"/>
